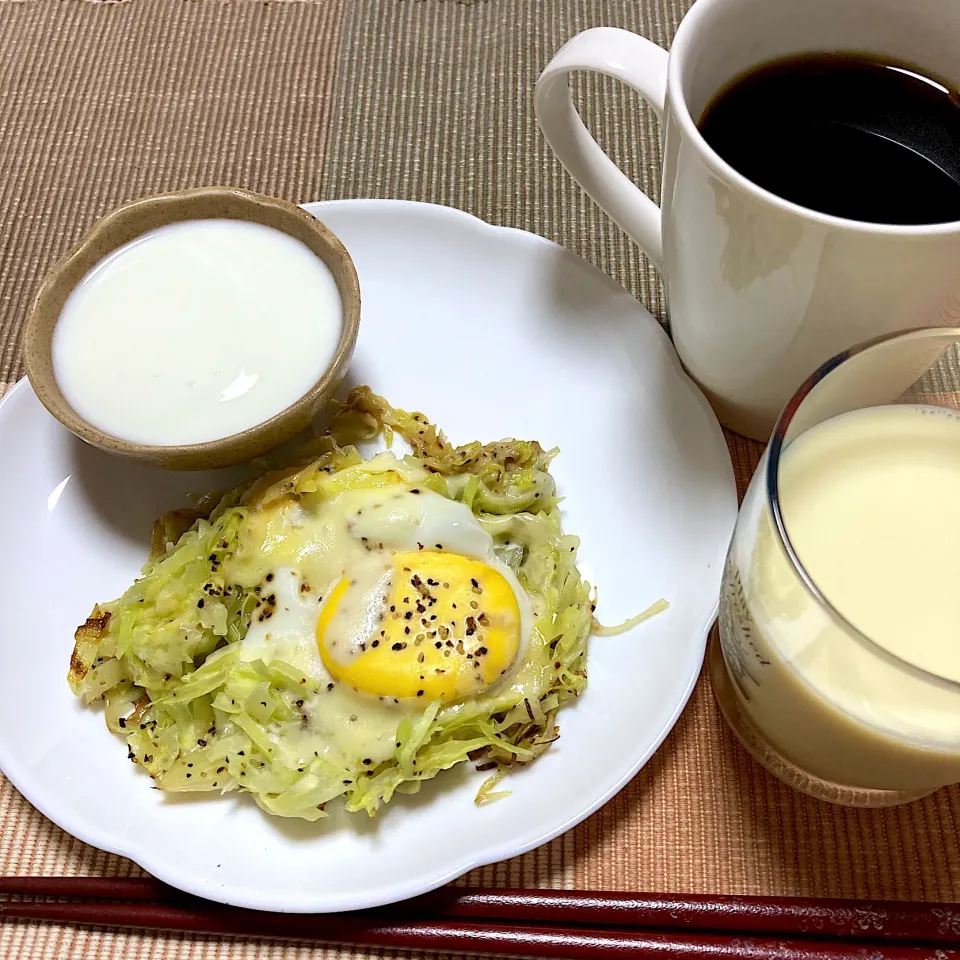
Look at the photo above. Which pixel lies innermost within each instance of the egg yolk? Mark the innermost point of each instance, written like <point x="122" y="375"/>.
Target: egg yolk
<point x="449" y="628"/>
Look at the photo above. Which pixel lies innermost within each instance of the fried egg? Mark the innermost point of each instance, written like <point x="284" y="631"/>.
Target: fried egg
<point x="391" y="597"/>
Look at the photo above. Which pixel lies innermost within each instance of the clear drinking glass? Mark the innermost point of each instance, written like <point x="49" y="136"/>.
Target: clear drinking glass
<point x="842" y="677"/>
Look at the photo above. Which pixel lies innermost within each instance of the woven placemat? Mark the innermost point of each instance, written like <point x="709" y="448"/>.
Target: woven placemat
<point x="425" y="100"/>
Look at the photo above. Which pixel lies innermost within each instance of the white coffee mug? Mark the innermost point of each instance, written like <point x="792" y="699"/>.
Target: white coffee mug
<point x="760" y="290"/>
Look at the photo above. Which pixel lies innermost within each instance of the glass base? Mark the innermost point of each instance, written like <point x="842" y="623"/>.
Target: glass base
<point x="775" y="762"/>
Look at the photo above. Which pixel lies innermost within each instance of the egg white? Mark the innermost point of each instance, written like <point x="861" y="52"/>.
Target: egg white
<point x="341" y="720"/>
<point x="297" y="551"/>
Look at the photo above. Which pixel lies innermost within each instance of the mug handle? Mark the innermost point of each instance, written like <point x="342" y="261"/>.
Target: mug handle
<point x="641" y="65"/>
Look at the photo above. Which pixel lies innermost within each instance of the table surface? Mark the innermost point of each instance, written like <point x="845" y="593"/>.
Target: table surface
<point x="423" y="100"/>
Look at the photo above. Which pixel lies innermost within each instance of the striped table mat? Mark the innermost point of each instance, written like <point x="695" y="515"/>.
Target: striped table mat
<point x="430" y="100"/>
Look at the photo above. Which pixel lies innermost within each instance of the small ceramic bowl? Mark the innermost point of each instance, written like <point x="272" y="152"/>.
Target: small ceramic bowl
<point x="139" y="217"/>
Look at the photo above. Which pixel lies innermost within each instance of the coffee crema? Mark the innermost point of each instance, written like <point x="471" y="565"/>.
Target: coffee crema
<point x="844" y="134"/>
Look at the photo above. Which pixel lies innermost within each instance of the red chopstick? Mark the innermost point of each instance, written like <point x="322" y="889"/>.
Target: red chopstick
<point x="770" y="916"/>
<point x="542" y="923"/>
<point x="95" y="888"/>
<point x="535" y="941"/>
<point x="767" y="916"/>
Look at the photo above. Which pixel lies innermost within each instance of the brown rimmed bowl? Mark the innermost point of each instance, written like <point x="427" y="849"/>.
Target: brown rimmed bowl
<point x="131" y="221"/>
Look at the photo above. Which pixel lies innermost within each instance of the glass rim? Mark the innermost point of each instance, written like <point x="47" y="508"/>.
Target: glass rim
<point x="774" y="453"/>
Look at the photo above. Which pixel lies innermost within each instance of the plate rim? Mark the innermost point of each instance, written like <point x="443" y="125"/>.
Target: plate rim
<point x="425" y="883"/>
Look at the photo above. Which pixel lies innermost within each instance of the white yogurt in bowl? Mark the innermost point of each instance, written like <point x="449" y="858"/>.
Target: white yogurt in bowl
<point x="195" y="331"/>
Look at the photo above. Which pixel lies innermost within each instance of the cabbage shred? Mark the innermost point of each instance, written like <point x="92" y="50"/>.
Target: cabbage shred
<point x="164" y="658"/>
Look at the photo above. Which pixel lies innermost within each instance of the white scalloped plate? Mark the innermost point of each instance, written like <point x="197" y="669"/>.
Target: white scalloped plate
<point x="492" y="332"/>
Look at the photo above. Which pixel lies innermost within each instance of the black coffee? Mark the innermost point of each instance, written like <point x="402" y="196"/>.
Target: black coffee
<point x="846" y="135"/>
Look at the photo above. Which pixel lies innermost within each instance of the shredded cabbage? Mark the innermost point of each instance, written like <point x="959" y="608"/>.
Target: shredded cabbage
<point x="164" y="658"/>
<point x="658" y="606"/>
